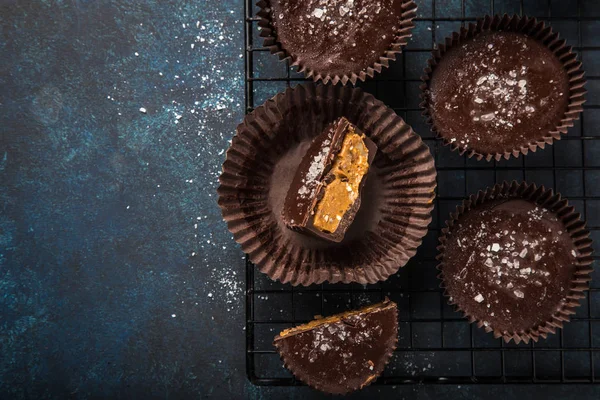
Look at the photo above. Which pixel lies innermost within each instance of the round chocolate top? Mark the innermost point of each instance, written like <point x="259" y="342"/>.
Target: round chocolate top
<point x="509" y="264"/>
<point x="343" y="355"/>
<point x="336" y="37"/>
<point x="498" y="92"/>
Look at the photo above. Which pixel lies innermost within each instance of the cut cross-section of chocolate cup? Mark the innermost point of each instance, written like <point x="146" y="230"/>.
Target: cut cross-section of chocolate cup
<point x="264" y="157"/>
<point x="344" y="352"/>
<point x="324" y="196"/>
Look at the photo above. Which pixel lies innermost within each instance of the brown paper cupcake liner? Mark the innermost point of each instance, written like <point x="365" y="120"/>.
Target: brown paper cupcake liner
<point x="264" y="154"/>
<point x="268" y="32"/>
<point x="547" y="199"/>
<point x="289" y="362"/>
<point x="536" y="30"/>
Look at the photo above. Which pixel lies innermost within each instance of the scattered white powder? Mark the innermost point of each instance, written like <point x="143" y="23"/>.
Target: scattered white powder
<point x="228" y="285"/>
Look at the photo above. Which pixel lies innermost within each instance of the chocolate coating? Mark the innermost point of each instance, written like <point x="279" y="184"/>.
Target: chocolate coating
<point x="339" y="37"/>
<point x="310" y="178"/>
<point x="509" y="264"/>
<point x="498" y="92"/>
<point x="343" y="355"/>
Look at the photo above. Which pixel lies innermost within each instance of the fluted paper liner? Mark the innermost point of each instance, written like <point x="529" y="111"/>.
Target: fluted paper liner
<point x="554" y="203"/>
<point x="267" y="31"/>
<point x="397" y="199"/>
<point x="290" y="363"/>
<point x="536" y="30"/>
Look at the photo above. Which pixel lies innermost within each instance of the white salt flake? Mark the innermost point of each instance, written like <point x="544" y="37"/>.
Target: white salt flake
<point x="488" y="117"/>
<point x="318" y="13"/>
<point x="519" y="294"/>
<point x="478" y="298"/>
<point x="523" y="253"/>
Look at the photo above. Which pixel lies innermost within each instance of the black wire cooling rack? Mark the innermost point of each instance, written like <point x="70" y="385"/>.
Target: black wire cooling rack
<point x="437" y="345"/>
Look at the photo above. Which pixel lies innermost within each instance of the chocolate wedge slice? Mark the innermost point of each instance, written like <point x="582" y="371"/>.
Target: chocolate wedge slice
<point x="344" y="352"/>
<point x="324" y="195"/>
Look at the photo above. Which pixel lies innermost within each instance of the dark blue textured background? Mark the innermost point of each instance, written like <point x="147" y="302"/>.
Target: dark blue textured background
<point x="118" y="278"/>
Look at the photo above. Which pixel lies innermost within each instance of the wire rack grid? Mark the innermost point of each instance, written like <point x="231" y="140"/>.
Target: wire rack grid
<point x="435" y="344"/>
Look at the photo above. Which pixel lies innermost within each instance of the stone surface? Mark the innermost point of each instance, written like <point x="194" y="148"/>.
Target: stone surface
<point x="117" y="275"/>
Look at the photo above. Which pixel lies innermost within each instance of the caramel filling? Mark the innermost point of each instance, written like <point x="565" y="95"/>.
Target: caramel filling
<point x="333" y="319"/>
<point x="349" y="167"/>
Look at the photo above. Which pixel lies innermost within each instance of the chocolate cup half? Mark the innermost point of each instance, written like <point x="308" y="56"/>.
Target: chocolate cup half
<point x="401" y="36"/>
<point x="575" y="228"/>
<point x="263" y="158"/>
<point x="536" y="30"/>
<point x="342" y="353"/>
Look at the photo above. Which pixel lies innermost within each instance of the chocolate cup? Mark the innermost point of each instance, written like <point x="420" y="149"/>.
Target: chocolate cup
<point x="263" y="157"/>
<point x="267" y="31"/>
<point x="575" y="227"/>
<point x="536" y="30"/>
<point x="380" y="357"/>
